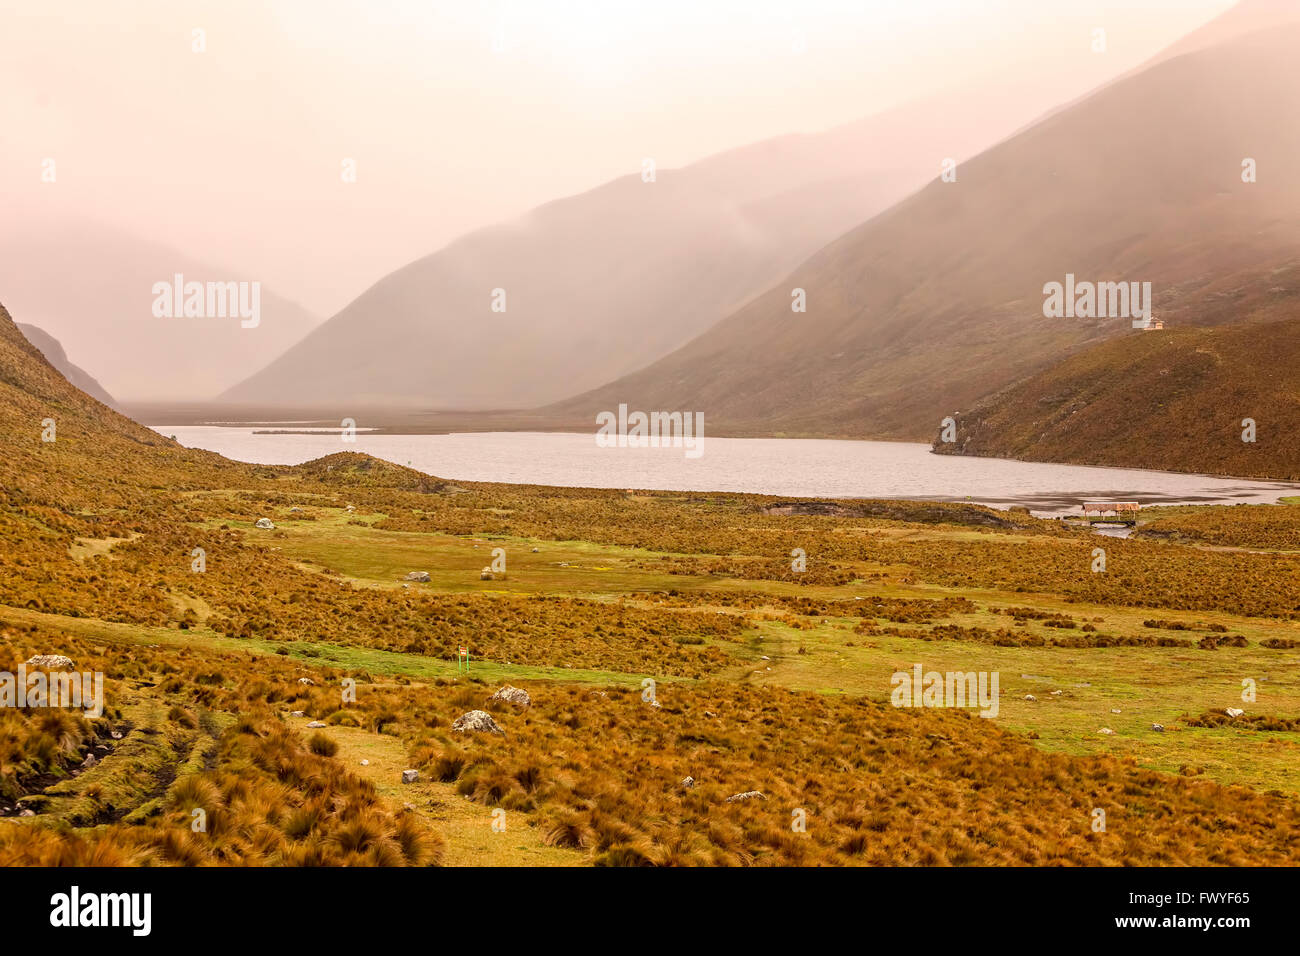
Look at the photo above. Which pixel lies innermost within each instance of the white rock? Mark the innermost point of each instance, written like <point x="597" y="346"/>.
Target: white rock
<point x="1106" y="730"/>
<point x="1158" y="728"/>
<point x="485" y="574"/>
<point x="688" y="782"/>
<point x="1030" y="697"/>
<point x="410" y="776"/>
<point x="315" y="723"/>
<point x="420" y="576"/>
<point x="52" y="661"/>
<point x="1234" y="711"/>
<point x="365" y="763"/>
<point x="266" y="524"/>
<point x="476" y="720"/>
<point x="512" y="695"/>
<point x="297" y="713"/>
<point x="747" y="795"/>
<point x="1114" y="710"/>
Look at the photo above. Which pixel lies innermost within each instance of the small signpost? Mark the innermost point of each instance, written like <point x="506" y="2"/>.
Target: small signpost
<point x="462" y="655"/>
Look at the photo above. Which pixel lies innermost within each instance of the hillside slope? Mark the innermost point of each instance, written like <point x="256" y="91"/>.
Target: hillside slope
<point x="53" y="351"/>
<point x="97" y="457"/>
<point x="605" y="282"/>
<point x="1172" y="400"/>
<point x="939" y="301"/>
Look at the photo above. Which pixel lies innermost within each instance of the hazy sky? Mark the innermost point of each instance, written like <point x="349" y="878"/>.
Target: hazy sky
<point x="460" y="114"/>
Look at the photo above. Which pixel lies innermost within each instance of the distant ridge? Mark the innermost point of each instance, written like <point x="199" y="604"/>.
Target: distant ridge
<point x="55" y="355"/>
<point x="926" y="309"/>
<point x="605" y="282"/>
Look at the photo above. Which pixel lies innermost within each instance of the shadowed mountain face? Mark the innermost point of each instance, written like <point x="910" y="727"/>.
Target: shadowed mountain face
<point x="55" y="355"/>
<point x="1182" y="399"/>
<point x="603" y="283"/>
<point x="929" y="307"/>
<point x="91" y="288"/>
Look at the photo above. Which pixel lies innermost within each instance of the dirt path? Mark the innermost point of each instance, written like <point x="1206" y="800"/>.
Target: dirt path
<point x="465" y="825"/>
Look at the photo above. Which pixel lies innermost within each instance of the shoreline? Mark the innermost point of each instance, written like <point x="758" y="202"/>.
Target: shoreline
<point x="1043" y="504"/>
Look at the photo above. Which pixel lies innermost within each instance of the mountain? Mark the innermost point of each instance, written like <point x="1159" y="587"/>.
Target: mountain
<point x="55" y="355"/>
<point x="603" y="283"/>
<point x="927" y="308"/>
<point x="65" y="451"/>
<point x="1173" y="400"/>
<point x="91" y="288"/>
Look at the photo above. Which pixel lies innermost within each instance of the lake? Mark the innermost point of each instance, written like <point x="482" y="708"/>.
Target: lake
<point x="772" y="466"/>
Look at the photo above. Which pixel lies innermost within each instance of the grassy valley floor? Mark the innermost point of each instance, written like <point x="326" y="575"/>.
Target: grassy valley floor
<point x="763" y="678"/>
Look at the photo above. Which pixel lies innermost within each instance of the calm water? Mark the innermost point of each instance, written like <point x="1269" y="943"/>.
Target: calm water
<point x="791" y="467"/>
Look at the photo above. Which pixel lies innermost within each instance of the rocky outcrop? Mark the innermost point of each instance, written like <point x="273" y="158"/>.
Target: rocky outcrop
<point x="476" y="721"/>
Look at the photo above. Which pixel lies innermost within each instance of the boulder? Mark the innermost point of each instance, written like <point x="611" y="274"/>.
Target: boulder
<point x="747" y="795"/>
<point x="688" y="782"/>
<point x="476" y="720"/>
<point x="266" y="524"/>
<point x="52" y="661"/>
<point x="315" y="724"/>
<point x="421" y="576"/>
<point x="1030" y="697"/>
<point x="297" y="713"/>
<point x="410" y="776"/>
<point x="1158" y="728"/>
<point x="1234" y="711"/>
<point x="512" y="695"/>
<point x="1106" y="730"/>
<point x="485" y="574"/>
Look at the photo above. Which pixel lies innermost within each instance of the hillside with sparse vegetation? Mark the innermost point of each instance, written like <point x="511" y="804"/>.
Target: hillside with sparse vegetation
<point x="1177" y="400"/>
<point x="672" y="658"/>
